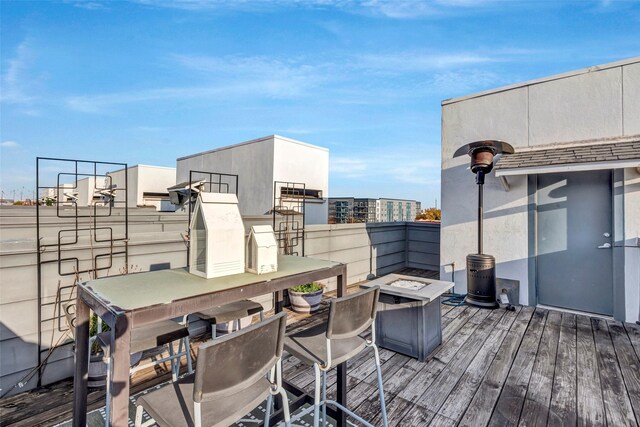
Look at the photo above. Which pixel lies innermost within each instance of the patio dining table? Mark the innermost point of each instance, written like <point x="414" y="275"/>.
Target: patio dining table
<point x="138" y="299"/>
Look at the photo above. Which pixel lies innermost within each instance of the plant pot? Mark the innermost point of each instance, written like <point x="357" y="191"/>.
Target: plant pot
<point x="228" y="327"/>
<point x="308" y="302"/>
<point x="98" y="369"/>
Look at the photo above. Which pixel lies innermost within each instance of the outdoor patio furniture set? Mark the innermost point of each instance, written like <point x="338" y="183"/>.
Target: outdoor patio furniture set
<point x="235" y="372"/>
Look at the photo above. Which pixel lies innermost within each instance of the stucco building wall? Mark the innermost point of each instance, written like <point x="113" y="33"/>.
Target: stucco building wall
<point x="594" y="103"/>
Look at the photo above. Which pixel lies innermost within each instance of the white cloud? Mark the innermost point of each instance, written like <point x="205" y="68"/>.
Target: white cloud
<point x="14" y="82"/>
<point x="9" y="144"/>
<point x="393" y="9"/>
<point x="225" y="77"/>
<point x="360" y="79"/>
<point x="419" y="61"/>
<point x="90" y="5"/>
<point x="401" y="9"/>
<point x="347" y="165"/>
<point x="458" y="82"/>
<point x="402" y="165"/>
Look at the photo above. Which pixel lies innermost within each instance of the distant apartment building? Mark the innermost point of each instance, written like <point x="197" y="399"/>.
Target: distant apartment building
<point x="145" y="186"/>
<point x="273" y="173"/>
<point x="352" y="209"/>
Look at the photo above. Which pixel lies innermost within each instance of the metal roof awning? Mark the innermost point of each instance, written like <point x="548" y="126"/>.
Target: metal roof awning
<point x="572" y="158"/>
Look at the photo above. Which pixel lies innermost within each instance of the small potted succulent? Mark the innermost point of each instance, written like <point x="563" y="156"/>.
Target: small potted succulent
<point x="306" y="298"/>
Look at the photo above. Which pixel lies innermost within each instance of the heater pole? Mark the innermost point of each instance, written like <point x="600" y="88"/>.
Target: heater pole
<point x="480" y="186"/>
<point x="480" y="182"/>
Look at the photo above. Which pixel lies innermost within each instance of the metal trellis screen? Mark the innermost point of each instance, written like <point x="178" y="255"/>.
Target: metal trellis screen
<point x="82" y="232"/>
<point x="289" y="208"/>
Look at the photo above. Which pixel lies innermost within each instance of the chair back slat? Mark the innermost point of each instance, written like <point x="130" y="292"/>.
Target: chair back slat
<point x="353" y="314"/>
<point x="230" y="364"/>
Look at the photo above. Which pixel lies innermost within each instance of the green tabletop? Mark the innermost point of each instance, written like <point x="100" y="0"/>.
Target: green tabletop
<point x="135" y="291"/>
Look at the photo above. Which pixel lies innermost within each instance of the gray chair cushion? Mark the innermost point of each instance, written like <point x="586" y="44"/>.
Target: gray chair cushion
<point x="310" y="346"/>
<point x="149" y="336"/>
<point x="172" y="405"/>
<point x="229" y="312"/>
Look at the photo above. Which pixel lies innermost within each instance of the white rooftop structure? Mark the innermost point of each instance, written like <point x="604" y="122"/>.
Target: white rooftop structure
<point x="261" y="162"/>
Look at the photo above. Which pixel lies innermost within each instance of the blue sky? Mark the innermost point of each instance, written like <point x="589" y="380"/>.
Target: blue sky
<point x="149" y="81"/>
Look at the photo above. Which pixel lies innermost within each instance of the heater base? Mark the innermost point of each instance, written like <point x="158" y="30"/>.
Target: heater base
<point x="481" y="281"/>
<point x="482" y="304"/>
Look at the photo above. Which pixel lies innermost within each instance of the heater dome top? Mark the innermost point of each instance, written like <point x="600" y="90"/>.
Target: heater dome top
<point x="493" y="145"/>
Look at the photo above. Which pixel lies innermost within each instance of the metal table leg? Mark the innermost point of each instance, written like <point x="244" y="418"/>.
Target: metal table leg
<point x="278" y="307"/>
<point x="81" y="378"/>
<point x="120" y="351"/>
<point x="341" y="394"/>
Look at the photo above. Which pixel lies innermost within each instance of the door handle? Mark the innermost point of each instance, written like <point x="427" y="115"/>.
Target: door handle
<point x="605" y="246"/>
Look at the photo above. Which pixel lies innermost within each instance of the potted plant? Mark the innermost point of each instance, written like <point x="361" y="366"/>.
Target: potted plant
<point x="97" y="373"/>
<point x="306" y="298"/>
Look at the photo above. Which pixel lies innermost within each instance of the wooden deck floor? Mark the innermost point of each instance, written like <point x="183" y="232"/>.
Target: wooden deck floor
<point x="528" y="367"/>
<point x="531" y="367"/>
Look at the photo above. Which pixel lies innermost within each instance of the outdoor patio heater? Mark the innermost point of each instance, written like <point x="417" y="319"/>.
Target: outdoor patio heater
<point x="481" y="268"/>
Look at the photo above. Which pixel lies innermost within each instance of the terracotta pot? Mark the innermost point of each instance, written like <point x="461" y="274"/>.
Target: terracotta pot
<point x="308" y="302"/>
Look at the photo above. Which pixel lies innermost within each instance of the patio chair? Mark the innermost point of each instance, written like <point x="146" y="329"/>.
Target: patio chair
<point x="338" y="340"/>
<point x="234" y="374"/>
<point x="232" y="312"/>
<point x="159" y="334"/>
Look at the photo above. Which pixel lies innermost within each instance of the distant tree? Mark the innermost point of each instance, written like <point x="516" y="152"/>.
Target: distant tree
<point x="432" y="214"/>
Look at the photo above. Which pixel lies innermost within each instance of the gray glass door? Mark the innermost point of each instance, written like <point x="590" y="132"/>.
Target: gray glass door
<point x="574" y="229"/>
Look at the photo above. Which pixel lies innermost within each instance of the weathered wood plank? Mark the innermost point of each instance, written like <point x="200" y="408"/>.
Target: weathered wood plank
<point x="370" y="406"/>
<point x="509" y="406"/>
<point x="589" y="395"/>
<point x="535" y="411"/>
<point x="389" y="369"/>
<point x="563" y="408"/>
<point x="402" y="378"/>
<point x="437" y="393"/>
<point x="369" y="409"/>
<point x="442" y="421"/>
<point x="396" y="409"/>
<point x="456" y="324"/>
<point x="423" y="378"/>
<point x="618" y="410"/>
<point x="455" y="342"/>
<point x="465" y="389"/>
<point x="444" y="309"/>
<point x="358" y="394"/>
<point x="430" y="370"/>
<point x="455" y="311"/>
<point x="417" y="416"/>
<point x="481" y="407"/>
<point x="629" y="363"/>
<point x="633" y="331"/>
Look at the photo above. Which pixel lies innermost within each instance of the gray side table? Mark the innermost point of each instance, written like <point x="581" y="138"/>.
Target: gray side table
<point x="408" y="319"/>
